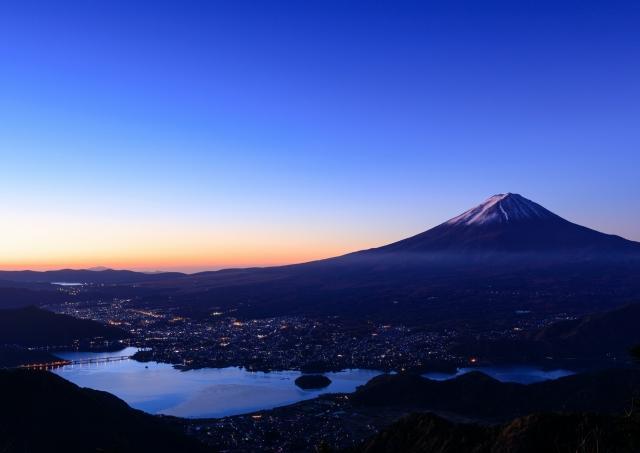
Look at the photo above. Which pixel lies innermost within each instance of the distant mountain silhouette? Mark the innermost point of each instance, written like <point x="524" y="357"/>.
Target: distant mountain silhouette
<point x="43" y="412"/>
<point x="93" y="275"/>
<point x="508" y="251"/>
<point x="99" y="268"/>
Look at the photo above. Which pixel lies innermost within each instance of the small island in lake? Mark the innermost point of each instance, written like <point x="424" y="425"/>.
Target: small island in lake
<point x="312" y="381"/>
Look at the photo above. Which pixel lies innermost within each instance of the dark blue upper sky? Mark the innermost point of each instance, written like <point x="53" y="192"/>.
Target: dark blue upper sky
<point x="276" y="131"/>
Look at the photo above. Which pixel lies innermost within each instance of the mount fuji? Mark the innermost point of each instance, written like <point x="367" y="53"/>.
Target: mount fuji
<point x="506" y="254"/>
<point x="510" y="223"/>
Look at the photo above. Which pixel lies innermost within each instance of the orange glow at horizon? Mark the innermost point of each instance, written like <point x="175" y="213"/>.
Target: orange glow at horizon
<point x="179" y="262"/>
<point x="63" y="243"/>
<point x="169" y="257"/>
<point x="182" y="263"/>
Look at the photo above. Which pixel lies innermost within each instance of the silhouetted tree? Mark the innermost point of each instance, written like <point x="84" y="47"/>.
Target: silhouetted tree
<point x="635" y="399"/>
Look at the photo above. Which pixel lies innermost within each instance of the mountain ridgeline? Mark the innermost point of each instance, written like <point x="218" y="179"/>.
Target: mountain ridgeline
<point x="96" y="275"/>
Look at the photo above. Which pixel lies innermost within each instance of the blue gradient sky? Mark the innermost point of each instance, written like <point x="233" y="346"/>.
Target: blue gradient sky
<point x="190" y="135"/>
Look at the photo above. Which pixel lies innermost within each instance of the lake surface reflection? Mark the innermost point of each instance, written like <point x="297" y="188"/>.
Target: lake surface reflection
<point x="159" y="388"/>
<point x="522" y="374"/>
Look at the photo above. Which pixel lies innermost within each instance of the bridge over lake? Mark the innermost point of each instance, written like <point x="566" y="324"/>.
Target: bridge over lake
<point x="85" y="361"/>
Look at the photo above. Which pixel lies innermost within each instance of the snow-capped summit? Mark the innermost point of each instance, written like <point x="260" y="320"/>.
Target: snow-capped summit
<point x="510" y="223"/>
<point x="502" y="208"/>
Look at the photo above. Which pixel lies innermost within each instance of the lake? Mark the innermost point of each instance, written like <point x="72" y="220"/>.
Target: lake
<point x="158" y="388"/>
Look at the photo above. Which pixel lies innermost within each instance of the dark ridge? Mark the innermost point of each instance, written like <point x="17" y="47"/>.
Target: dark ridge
<point x="480" y="396"/>
<point x="430" y="433"/>
<point x="15" y="356"/>
<point x="31" y="326"/>
<point x="43" y="412"/>
<point x="560" y="433"/>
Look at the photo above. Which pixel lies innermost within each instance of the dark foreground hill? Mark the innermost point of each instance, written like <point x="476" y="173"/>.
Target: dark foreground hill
<point x="584" y="413"/>
<point x="479" y="396"/>
<point x="31" y="326"/>
<point x="43" y="412"/>
<point x="558" y="433"/>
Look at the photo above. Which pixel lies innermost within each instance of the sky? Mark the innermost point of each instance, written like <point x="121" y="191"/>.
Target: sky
<point x="192" y="135"/>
